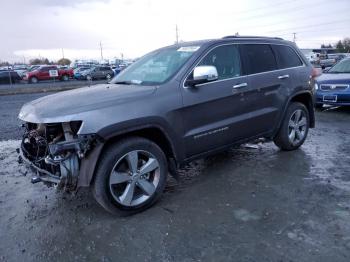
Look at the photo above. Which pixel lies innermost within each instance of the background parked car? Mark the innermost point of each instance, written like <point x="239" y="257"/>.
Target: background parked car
<point x="333" y="86"/>
<point x="97" y="72"/>
<point x="77" y="71"/>
<point x="20" y="69"/>
<point x="8" y="77"/>
<point x="116" y="70"/>
<point x="47" y="73"/>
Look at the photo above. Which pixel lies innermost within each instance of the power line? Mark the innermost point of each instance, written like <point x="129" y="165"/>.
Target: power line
<point x="273" y="12"/>
<point x="308" y="26"/>
<point x="266" y="7"/>
<point x="292" y="20"/>
<point x="325" y="30"/>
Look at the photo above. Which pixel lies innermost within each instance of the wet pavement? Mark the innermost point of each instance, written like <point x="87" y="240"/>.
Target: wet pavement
<point x="9" y="109"/>
<point x="51" y="83"/>
<point x="252" y="203"/>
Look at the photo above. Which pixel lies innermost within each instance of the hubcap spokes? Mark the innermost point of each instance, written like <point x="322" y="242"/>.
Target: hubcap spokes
<point x="297" y="127"/>
<point x="134" y="178"/>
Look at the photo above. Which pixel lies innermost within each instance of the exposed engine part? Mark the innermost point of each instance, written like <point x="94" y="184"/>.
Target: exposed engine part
<point x="54" y="151"/>
<point x="69" y="173"/>
<point x="68" y="133"/>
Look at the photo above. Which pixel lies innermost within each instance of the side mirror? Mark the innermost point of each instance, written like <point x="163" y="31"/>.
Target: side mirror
<point x="203" y="74"/>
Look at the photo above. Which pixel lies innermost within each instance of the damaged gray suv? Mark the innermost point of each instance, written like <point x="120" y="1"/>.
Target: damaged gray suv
<point x="172" y="106"/>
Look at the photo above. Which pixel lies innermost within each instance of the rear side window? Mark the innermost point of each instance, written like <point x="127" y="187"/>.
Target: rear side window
<point x="226" y="59"/>
<point x="258" y="58"/>
<point x="286" y="57"/>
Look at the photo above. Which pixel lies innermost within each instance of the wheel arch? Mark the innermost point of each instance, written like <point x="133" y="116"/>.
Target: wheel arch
<point x="306" y="98"/>
<point x="154" y="133"/>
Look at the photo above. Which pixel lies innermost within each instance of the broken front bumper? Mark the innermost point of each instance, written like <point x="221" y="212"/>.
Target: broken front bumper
<point x="65" y="164"/>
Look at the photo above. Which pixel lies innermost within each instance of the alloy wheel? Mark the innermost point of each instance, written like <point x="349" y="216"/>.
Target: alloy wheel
<point x="297" y="127"/>
<point x="134" y="178"/>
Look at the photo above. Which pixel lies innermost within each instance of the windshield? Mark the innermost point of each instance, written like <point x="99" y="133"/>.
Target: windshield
<point x="342" y="67"/>
<point x="156" y="67"/>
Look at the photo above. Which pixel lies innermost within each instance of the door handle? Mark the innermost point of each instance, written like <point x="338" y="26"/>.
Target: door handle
<point x="283" y="77"/>
<point x="240" y="85"/>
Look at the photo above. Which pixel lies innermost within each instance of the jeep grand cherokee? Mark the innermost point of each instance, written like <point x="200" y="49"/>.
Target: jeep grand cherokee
<point x="172" y="106"/>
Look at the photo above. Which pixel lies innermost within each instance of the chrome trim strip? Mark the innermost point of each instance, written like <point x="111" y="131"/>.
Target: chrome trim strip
<point x="251" y="43"/>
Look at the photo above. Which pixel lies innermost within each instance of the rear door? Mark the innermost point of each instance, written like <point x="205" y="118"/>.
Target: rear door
<point x="101" y="72"/>
<point x="291" y="67"/>
<point x="267" y="87"/>
<point x="213" y="113"/>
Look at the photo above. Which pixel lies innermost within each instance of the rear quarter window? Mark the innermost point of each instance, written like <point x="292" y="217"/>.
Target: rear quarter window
<point x="286" y="57"/>
<point x="258" y="58"/>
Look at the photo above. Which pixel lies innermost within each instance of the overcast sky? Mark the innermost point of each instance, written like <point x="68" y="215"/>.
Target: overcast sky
<point x="33" y="28"/>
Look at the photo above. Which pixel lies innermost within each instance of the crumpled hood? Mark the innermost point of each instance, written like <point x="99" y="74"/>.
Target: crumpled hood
<point x="68" y="105"/>
<point x="333" y="79"/>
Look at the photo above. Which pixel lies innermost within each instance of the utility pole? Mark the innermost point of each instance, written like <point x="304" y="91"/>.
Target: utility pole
<point x="294" y="37"/>
<point x="62" y="53"/>
<point x="177" y="34"/>
<point x="101" y="50"/>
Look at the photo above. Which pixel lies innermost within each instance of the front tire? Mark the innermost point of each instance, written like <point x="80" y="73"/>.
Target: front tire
<point x="33" y="80"/>
<point x="294" y="128"/>
<point x="130" y="176"/>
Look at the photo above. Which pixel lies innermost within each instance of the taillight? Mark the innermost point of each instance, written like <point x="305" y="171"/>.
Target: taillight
<point x="315" y="72"/>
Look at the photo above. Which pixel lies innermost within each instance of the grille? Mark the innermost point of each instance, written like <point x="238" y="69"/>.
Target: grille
<point x="333" y="87"/>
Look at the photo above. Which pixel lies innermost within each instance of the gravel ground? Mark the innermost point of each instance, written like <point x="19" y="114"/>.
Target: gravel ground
<point x="251" y="203"/>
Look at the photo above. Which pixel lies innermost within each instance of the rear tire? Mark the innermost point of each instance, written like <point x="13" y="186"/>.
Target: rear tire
<point x="65" y="78"/>
<point x="130" y="176"/>
<point x="294" y="128"/>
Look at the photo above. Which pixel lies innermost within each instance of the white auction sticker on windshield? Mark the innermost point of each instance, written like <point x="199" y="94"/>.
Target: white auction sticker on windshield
<point x="188" y="49"/>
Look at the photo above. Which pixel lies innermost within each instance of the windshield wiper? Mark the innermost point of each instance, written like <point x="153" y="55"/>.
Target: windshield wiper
<point x="338" y="72"/>
<point x="123" y="83"/>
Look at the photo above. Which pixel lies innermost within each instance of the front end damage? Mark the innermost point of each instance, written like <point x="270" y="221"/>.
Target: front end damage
<point x="56" y="152"/>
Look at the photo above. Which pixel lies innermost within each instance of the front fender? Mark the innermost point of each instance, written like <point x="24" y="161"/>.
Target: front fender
<point x="89" y="164"/>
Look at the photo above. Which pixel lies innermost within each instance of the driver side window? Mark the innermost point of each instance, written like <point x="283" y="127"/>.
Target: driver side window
<point x="226" y="59"/>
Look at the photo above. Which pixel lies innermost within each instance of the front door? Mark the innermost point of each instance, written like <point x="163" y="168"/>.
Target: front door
<point x="214" y="113"/>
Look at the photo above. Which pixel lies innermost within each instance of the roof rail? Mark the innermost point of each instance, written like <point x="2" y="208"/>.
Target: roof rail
<point x="239" y="36"/>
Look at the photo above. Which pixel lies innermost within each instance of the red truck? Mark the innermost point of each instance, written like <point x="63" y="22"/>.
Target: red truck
<point x="48" y="72"/>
